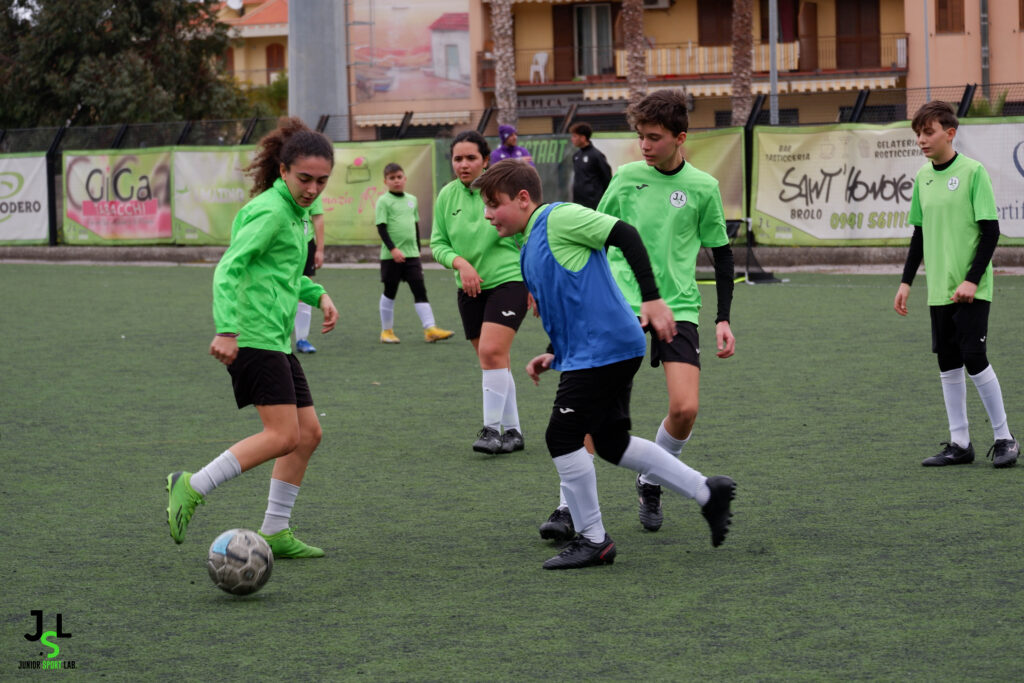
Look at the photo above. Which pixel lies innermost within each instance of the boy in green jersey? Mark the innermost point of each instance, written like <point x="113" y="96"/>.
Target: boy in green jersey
<point x="953" y="211"/>
<point x="256" y="287"/>
<point x="397" y="218"/>
<point x="677" y="209"/>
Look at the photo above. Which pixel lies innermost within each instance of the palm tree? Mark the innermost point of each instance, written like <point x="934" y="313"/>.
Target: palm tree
<point x="742" y="59"/>
<point x="636" y="53"/>
<point x="505" y="96"/>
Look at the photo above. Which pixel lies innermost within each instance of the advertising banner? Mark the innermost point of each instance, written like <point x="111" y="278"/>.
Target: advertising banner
<point x="121" y="197"/>
<point x="718" y="152"/>
<point x="209" y="189"/>
<point x="851" y="184"/>
<point x="358" y="181"/>
<point x="24" y="217"/>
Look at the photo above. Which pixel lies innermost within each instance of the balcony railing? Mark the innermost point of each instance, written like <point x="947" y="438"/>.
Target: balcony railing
<point x="820" y="53"/>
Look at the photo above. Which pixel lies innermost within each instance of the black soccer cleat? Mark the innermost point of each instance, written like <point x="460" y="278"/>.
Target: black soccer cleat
<point x="559" y="526"/>
<point x="716" y="510"/>
<point x="512" y="440"/>
<point x="487" y="441"/>
<point x="583" y="553"/>
<point x="650" y="504"/>
<point x="951" y="455"/>
<point x="1004" y="452"/>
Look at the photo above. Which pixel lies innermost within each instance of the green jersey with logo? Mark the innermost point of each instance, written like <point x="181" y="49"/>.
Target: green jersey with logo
<point x="947" y="205"/>
<point x="675" y="214"/>
<point x="400" y="212"/>
<point x="460" y="229"/>
<point x="258" y="283"/>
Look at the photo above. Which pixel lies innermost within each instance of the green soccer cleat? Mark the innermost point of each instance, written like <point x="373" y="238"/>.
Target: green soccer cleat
<point x="181" y="503"/>
<point x="285" y="545"/>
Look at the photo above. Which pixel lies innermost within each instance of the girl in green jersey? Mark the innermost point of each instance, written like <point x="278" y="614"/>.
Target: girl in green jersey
<point x="491" y="296"/>
<point x="256" y="288"/>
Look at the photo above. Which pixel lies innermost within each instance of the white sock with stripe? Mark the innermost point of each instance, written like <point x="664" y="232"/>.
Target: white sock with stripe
<point x="387" y="313"/>
<point x="280" y="502"/>
<point x="954" y="393"/>
<point x="991" y="394"/>
<point x="659" y="467"/>
<point x="579" y="488"/>
<point x="225" y="466"/>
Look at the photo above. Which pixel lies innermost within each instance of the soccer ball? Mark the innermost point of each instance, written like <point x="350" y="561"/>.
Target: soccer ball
<point x="240" y="561"/>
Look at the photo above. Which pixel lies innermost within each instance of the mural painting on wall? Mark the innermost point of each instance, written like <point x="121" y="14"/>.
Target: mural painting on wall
<point x="410" y="49"/>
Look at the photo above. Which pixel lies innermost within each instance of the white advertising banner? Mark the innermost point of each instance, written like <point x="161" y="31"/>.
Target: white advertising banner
<point x="852" y="183"/>
<point x="24" y="215"/>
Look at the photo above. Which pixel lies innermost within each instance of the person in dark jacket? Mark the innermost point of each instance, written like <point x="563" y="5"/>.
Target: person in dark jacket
<point x="591" y="172"/>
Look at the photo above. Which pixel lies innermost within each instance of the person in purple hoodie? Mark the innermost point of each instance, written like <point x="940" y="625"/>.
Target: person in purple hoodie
<point x="508" y="149"/>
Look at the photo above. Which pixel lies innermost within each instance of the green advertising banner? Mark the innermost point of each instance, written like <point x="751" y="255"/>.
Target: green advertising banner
<point x="851" y="184"/>
<point x="23" y="207"/>
<point x="358" y="181"/>
<point x="718" y="152"/>
<point x="121" y="197"/>
<point x="209" y="189"/>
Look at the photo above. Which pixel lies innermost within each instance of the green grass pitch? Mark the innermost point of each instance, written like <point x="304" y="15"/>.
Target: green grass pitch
<point x="846" y="559"/>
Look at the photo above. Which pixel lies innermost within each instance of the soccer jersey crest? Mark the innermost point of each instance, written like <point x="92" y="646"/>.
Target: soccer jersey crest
<point x="678" y="199"/>
<point x="953" y="183"/>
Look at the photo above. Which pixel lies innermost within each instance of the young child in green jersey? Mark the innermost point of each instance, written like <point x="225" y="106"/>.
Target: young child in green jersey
<point x="598" y="345"/>
<point x="491" y="296"/>
<point x="953" y="211"/>
<point x="256" y="288"/>
<point x="314" y="260"/>
<point x="677" y="209"/>
<point x="397" y="217"/>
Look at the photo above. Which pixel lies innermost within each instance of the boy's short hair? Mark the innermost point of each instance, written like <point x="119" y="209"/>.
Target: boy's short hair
<point x="392" y="168"/>
<point x="509" y="176"/>
<point x="666" y="108"/>
<point x="936" y="110"/>
<point x="582" y="128"/>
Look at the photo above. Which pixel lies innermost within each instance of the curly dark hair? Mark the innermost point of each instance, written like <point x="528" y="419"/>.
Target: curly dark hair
<point x="290" y="140"/>
<point x="476" y="138"/>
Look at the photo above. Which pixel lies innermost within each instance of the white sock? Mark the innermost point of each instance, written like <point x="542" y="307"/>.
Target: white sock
<point x="225" y="466"/>
<point x="495" y="384"/>
<point x="659" y="467"/>
<point x="669" y="443"/>
<point x="987" y="385"/>
<point x="510" y="414"/>
<point x="561" y="492"/>
<point x="954" y="393"/>
<point x="426" y="314"/>
<point x="280" y="502"/>
<point x="303" y="317"/>
<point x="387" y="313"/>
<point x="579" y="488"/>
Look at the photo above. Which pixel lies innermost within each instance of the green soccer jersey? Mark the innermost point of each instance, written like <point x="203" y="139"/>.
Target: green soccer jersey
<point x="574" y="231"/>
<point x="460" y="229"/>
<point x="947" y="205"/>
<point x="258" y="283"/>
<point x="400" y="212"/>
<point x="675" y="214"/>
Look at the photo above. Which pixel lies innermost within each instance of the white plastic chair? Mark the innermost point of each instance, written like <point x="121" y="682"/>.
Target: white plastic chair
<point x="538" y="66"/>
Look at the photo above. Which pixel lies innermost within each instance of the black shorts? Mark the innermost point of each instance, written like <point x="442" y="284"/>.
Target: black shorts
<point x="310" y="269"/>
<point x="268" y="378"/>
<point x="684" y="347"/>
<point x="591" y="401"/>
<point x="392" y="272"/>
<point x="504" y="305"/>
<point x="960" y="328"/>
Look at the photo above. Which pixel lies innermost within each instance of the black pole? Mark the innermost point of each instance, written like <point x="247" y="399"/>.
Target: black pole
<point x="52" y="160"/>
<point x="569" y="116"/>
<point x="858" y="106"/>
<point x="748" y="159"/>
<point x="403" y="128"/>
<point x="119" y="138"/>
<point x="965" y="101"/>
<point x="485" y="118"/>
<point x="249" y="129"/>
<point x="321" y="125"/>
<point x="185" y="130"/>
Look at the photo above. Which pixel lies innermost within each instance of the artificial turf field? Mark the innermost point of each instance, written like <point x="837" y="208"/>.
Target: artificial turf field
<point x="846" y="561"/>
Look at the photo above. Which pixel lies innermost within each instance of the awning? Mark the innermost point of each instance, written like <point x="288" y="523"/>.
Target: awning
<point x="427" y="118"/>
<point x="724" y="89"/>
